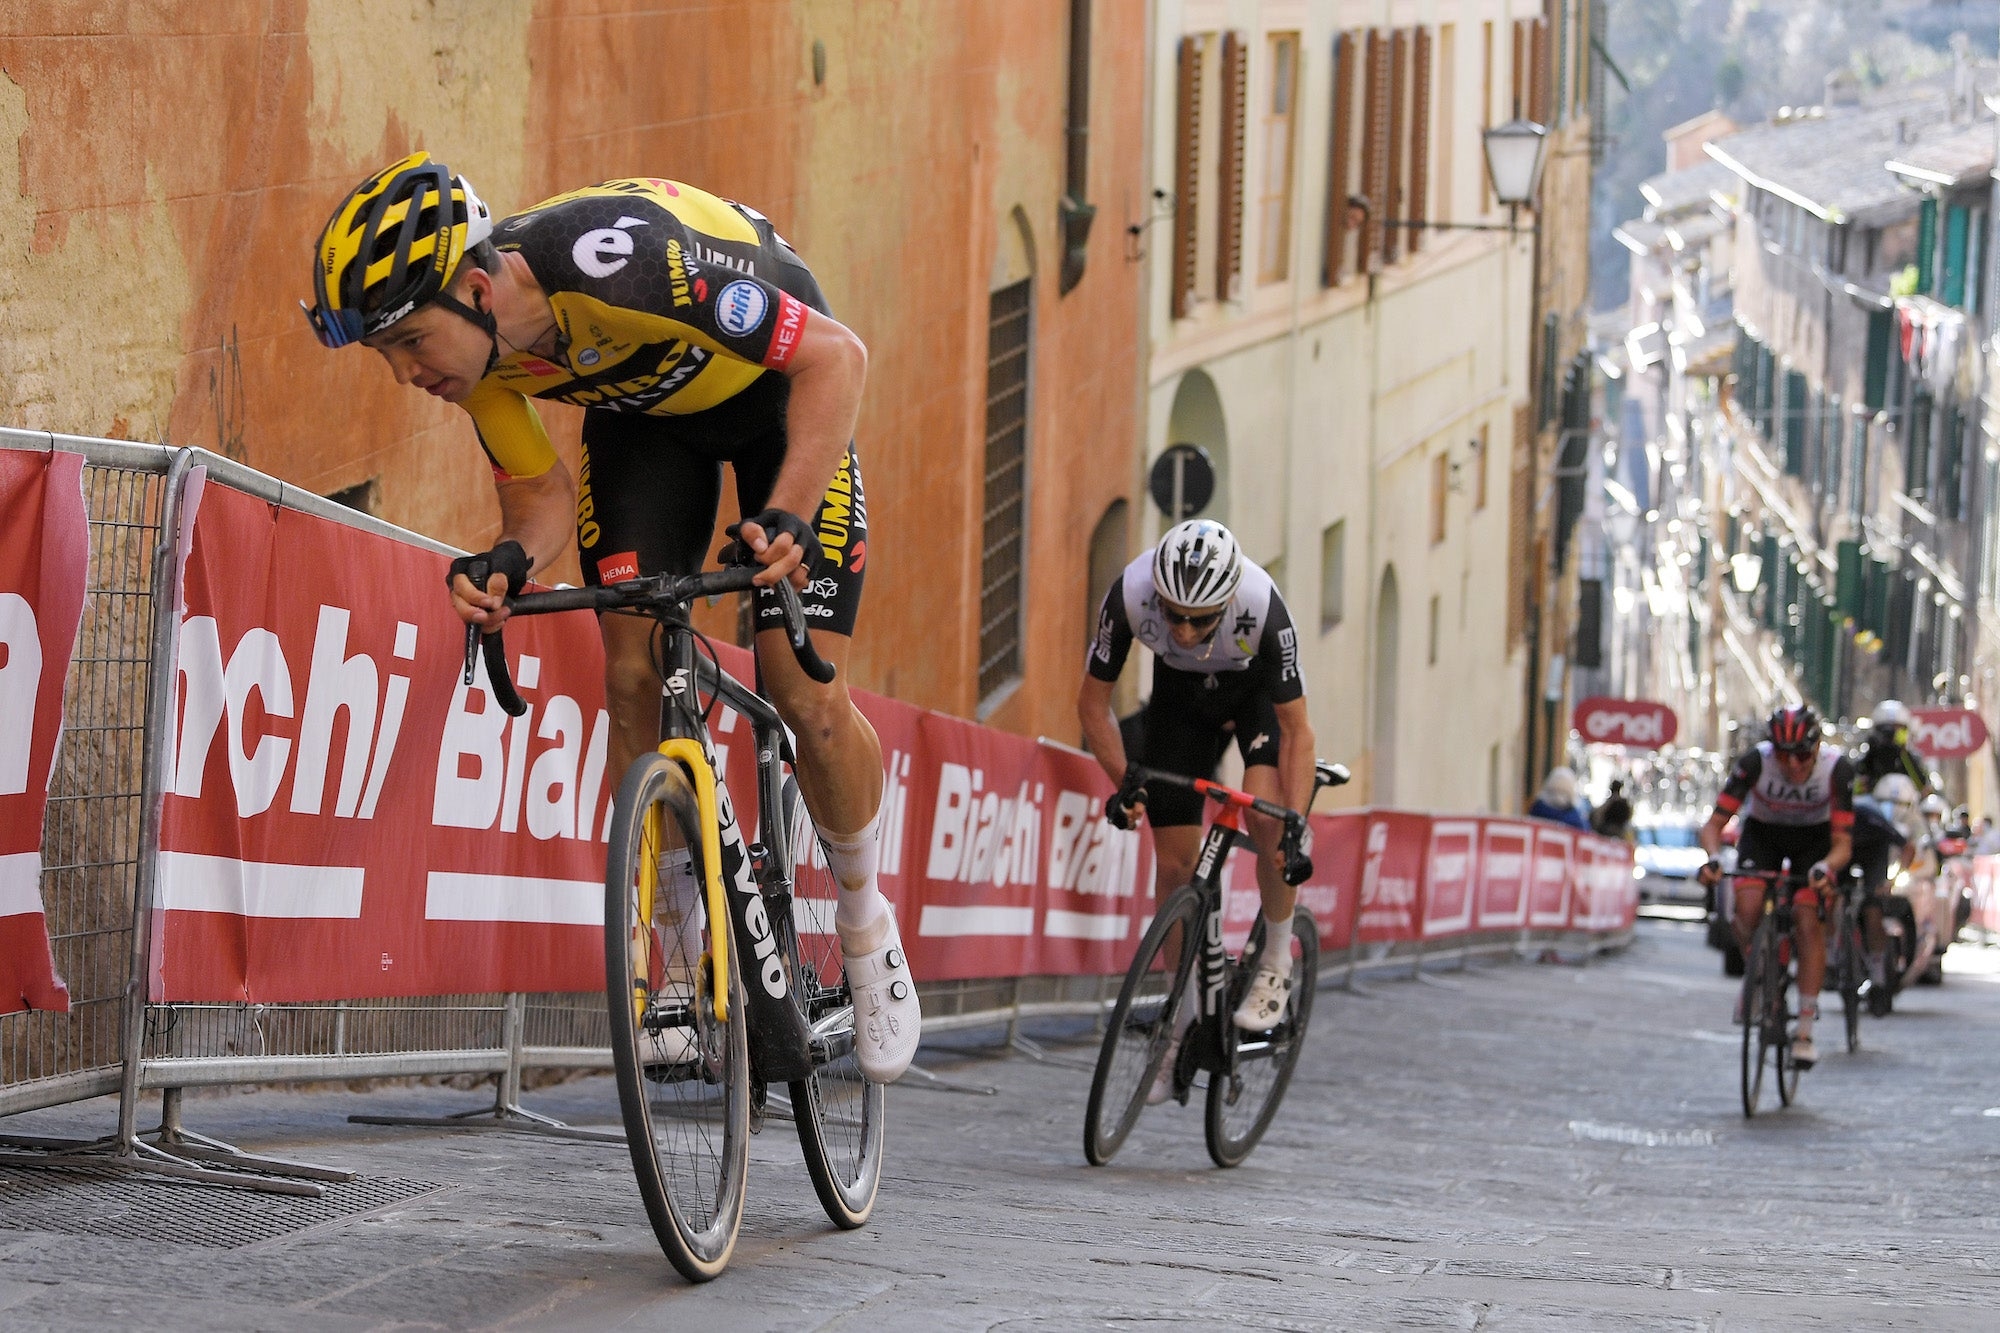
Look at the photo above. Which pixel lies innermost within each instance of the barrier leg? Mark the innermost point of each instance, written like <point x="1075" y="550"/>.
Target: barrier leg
<point x="176" y="1140"/>
<point x="506" y="1112"/>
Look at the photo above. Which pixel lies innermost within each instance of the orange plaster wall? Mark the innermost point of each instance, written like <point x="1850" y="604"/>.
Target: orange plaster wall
<point x="175" y="161"/>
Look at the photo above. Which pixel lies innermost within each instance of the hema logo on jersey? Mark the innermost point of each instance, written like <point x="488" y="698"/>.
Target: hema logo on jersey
<point x="740" y="307"/>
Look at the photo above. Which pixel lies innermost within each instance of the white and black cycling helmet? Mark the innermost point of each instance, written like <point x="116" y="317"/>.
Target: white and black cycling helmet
<point x="1198" y="565"/>
<point x="1891" y="718"/>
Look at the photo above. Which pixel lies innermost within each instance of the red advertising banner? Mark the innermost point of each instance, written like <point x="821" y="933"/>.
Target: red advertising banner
<point x="44" y="566"/>
<point x="345" y="818"/>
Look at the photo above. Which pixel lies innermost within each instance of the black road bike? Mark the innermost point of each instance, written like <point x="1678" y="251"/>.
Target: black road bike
<point x="1767" y="991"/>
<point x="707" y="1023"/>
<point x="1847" y="959"/>
<point x="1247" y="1072"/>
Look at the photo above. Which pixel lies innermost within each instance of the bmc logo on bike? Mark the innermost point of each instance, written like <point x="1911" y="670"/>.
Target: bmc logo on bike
<point x="1639" y="723"/>
<point x="1946" y="733"/>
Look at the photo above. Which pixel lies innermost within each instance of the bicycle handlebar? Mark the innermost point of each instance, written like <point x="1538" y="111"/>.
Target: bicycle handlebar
<point x="654" y="594"/>
<point x="1298" y="862"/>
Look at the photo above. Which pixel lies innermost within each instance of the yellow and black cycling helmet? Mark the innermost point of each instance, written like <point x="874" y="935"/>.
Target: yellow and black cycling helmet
<point x="393" y="245"/>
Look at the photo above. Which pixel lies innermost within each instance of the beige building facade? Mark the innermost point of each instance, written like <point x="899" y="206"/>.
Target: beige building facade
<point x="1363" y="388"/>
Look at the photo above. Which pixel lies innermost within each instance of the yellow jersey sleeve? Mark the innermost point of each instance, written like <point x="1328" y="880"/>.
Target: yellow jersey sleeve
<point x="510" y="430"/>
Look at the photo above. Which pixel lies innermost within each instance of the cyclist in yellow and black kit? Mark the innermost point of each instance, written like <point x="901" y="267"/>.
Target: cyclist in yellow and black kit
<point x="693" y="336"/>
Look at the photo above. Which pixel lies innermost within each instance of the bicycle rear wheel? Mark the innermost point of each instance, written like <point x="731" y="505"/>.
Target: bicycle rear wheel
<point x="683" y="1073"/>
<point x="1141" y="1025"/>
<point x="1242" y="1103"/>
<point x="1759" y="962"/>
<point x="838" y="1113"/>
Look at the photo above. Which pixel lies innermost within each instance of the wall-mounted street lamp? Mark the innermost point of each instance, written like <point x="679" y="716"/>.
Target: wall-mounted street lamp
<point x="1745" y="568"/>
<point x="1515" y="153"/>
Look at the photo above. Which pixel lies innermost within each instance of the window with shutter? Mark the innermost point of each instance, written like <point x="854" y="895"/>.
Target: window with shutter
<point x="1274" y="197"/>
<point x="1229" y="169"/>
<point x="1340" y="161"/>
<point x="1187" y="175"/>
<point x="1375" y="150"/>
<point x="1520" y="532"/>
<point x="1518" y="86"/>
<point x="1009" y="331"/>
<point x="1485" y="112"/>
<point x="1538" y="70"/>
<point x="1420" y="134"/>
<point x="1395" y="198"/>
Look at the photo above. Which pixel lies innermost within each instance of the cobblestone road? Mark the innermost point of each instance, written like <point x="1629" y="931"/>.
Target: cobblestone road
<point x="1519" y="1146"/>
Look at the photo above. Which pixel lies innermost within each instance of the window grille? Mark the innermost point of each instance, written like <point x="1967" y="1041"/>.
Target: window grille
<point x="1004" y="550"/>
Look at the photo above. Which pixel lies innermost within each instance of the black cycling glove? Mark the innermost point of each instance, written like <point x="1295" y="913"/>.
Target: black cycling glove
<point x="1118" y="812"/>
<point x="773" y="521"/>
<point x="508" y="558"/>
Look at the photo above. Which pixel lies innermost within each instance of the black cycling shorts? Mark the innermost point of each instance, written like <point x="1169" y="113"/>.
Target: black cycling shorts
<point x="649" y="488"/>
<point x="1188" y="724"/>
<point x="1762" y="846"/>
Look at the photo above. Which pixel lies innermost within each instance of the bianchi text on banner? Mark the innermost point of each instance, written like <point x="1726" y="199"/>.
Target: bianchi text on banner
<point x="44" y="564"/>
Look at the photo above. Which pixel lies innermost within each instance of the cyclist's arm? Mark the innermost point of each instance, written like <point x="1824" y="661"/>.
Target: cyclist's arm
<point x="826" y="372"/>
<point x="1108" y="649"/>
<point x="1841" y="799"/>
<point x="536" y="492"/>
<point x="1297" y="752"/>
<point x="1710" y="835"/>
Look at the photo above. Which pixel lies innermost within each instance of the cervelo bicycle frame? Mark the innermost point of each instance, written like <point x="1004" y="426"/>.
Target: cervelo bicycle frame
<point x="779" y="1042"/>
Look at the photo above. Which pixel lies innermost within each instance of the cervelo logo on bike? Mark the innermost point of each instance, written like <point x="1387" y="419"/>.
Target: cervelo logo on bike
<point x="1946" y="733"/>
<point x="1635" y="722"/>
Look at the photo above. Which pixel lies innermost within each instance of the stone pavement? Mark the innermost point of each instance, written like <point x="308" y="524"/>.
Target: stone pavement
<point x="1516" y="1147"/>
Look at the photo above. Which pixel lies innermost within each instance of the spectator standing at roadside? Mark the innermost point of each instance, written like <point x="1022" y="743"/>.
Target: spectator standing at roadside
<point x="1614" y="818"/>
<point x="1558" y="801"/>
<point x="1988" y="841"/>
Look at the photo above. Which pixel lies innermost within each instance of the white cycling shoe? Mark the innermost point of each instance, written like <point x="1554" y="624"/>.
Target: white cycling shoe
<point x="1804" y="1054"/>
<point x="888" y="1021"/>
<point x="1263" y="1004"/>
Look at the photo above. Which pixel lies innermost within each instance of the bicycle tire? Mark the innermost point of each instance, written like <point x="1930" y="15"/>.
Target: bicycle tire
<point x="1852" y="972"/>
<point x="1242" y="1103"/>
<point x="1141" y="1027"/>
<point x="1786" y="1069"/>
<point x="838" y="1113"/>
<point x="687" y="1121"/>
<point x="1758" y="962"/>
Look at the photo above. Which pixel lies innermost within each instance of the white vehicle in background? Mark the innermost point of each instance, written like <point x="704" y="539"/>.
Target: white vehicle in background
<point x="1665" y="860"/>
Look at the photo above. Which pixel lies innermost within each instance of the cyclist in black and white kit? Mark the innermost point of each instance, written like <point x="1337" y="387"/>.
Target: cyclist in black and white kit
<point x="1226" y="665"/>
<point x="1795" y="793"/>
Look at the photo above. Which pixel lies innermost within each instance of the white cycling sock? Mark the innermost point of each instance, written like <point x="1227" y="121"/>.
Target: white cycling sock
<point x="853" y="859"/>
<point x="679" y="907"/>
<point x="1278" y="945"/>
<point x="1808" y="1011"/>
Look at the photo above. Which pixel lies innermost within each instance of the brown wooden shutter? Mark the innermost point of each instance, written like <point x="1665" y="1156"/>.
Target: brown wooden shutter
<point x="1538" y="72"/>
<point x="1375" y="151"/>
<point x="1518" y="88"/>
<point x="1340" y="167"/>
<point x="1420" y="135"/>
<point x="1187" y="174"/>
<point x="1399" y="161"/>
<point x="1229" y="173"/>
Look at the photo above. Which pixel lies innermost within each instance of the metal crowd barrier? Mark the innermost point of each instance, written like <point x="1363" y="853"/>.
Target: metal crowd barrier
<point x="98" y="880"/>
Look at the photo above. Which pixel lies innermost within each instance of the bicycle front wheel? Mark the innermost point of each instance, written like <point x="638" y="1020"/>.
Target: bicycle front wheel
<point x="1242" y="1102"/>
<point x="1780" y="1036"/>
<point x="683" y="1072"/>
<point x="1759" y="962"/>
<point x="1851" y="974"/>
<point x="838" y="1113"/>
<point x="1142" y="1025"/>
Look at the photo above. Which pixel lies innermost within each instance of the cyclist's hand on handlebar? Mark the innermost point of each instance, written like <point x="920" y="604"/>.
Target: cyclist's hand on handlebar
<point x="1125" y="808"/>
<point x="1819" y="874"/>
<point x="1710" y="874"/>
<point x="1298" y="848"/>
<point x="487" y="607"/>
<point x="779" y="540"/>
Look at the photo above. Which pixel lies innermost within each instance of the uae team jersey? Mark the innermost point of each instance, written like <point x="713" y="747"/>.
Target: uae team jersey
<point x="1256" y="633"/>
<point x="1761" y="793"/>
<point x="667" y="300"/>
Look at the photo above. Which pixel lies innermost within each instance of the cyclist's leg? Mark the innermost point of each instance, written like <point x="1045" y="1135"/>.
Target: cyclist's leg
<point x="1257" y="733"/>
<point x="839" y="756"/>
<point x="1756" y="849"/>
